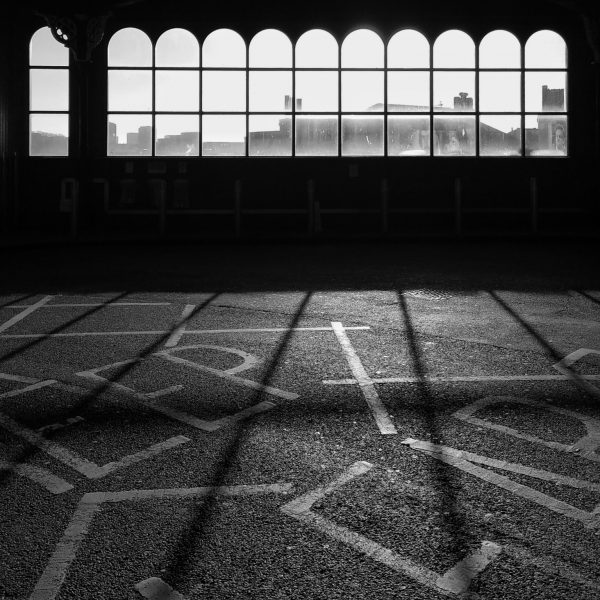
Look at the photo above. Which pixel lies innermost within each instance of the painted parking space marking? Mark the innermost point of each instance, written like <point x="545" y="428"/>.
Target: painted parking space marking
<point x="365" y="383"/>
<point x="25" y="313"/>
<point x="155" y="588"/>
<point x="461" y="379"/>
<point x="92" y="304"/>
<point x="18" y="378"/>
<point x="447" y="584"/>
<point x="51" y="580"/>
<point x="30" y="388"/>
<point x="468" y="462"/>
<point x="180" y="329"/>
<point x="563" y="366"/>
<point x="585" y="447"/>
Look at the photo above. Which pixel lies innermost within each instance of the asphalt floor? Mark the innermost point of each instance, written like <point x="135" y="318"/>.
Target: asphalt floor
<point x="406" y="421"/>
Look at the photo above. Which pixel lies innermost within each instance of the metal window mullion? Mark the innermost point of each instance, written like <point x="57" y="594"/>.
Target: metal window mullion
<point x="154" y="136"/>
<point x="293" y="115"/>
<point x="247" y="113"/>
<point x="385" y="102"/>
<point x="522" y="71"/>
<point x="431" y="118"/>
<point x="339" y="111"/>
<point x="476" y="101"/>
<point x="200" y="102"/>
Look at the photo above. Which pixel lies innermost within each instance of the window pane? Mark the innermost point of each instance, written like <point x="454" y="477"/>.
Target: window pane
<point x="49" y="135"/>
<point x="317" y="135"/>
<point x="408" y="49"/>
<point x="45" y="51"/>
<point x="545" y="135"/>
<point x="500" y="135"/>
<point x="129" y="135"/>
<point x="362" y="91"/>
<point x="270" y="90"/>
<point x="270" y="135"/>
<point x="500" y="92"/>
<point x="317" y="48"/>
<point x="408" y="91"/>
<point x="545" y="50"/>
<point x="224" y="91"/>
<point x="224" y="48"/>
<point x="362" y="48"/>
<point x="129" y="90"/>
<point x="177" y="135"/>
<point x="177" y="90"/>
<point x="224" y="135"/>
<point x="49" y="89"/>
<point x="453" y="50"/>
<point x="362" y="135"/>
<point x="500" y="50"/>
<point x="177" y="48"/>
<point x="454" y="91"/>
<point x="130" y="47"/>
<point x="408" y="136"/>
<point x="270" y="48"/>
<point x="317" y="91"/>
<point x="454" y="136"/>
<point x="545" y="92"/>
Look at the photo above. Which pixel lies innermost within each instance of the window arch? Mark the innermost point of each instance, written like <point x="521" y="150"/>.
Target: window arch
<point x="48" y="95"/>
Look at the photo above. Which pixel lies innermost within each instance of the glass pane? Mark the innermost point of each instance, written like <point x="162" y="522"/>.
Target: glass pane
<point x="362" y="135"/>
<point x="454" y="136"/>
<point x="546" y="135"/>
<point x="177" y="90"/>
<point x="270" y="90"/>
<point x="362" y="48"/>
<point x="129" y="90"/>
<point x="545" y="92"/>
<point x="224" y="91"/>
<point x="408" y="91"/>
<point x="454" y="49"/>
<point x="500" y="92"/>
<point x="177" y="48"/>
<point x="545" y="50"/>
<point x="362" y="91"/>
<point x="317" y="48"/>
<point x="129" y="135"/>
<point x="408" y="136"/>
<point x="45" y="51"/>
<point x="317" y="135"/>
<point x="224" y="135"/>
<point x="454" y="91"/>
<point x="130" y="47"/>
<point x="49" y="89"/>
<point x="500" y="50"/>
<point x="177" y="135"/>
<point x="224" y="48"/>
<point x="270" y="135"/>
<point x="270" y="48"/>
<point x="317" y="91"/>
<point x="48" y="135"/>
<point x="500" y="135"/>
<point x="408" y="49"/>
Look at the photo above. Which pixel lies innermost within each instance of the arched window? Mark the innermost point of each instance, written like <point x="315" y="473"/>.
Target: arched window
<point x="177" y="94"/>
<point x="363" y="94"/>
<point x="270" y="94"/>
<point x="130" y="94"/>
<point x="48" y="95"/>
<point x="408" y="94"/>
<point x="500" y="95"/>
<point x="546" y="124"/>
<point x="454" y="92"/>
<point x="224" y="94"/>
<point x="317" y="92"/>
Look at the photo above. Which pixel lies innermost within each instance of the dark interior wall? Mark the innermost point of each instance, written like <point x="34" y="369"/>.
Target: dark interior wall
<point x="500" y="189"/>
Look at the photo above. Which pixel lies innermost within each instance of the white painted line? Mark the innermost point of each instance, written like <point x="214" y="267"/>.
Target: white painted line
<point x="460" y="379"/>
<point x="30" y="388"/>
<point x="49" y="481"/>
<point x="25" y="313"/>
<point x="93" y="304"/>
<point x="18" y="378"/>
<point x="465" y="462"/>
<point x="367" y="388"/>
<point x="585" y="447"/>
<point x="164" y="332"/>
<point x="51" y="580"/>
<point x="563" y="366"/>
<point x="178" y="333"/>
<point x="155" y="588"/>
<point x="458" y="579"/>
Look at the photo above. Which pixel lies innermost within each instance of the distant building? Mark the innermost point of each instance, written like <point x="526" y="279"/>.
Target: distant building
<point x="48" y="144"/>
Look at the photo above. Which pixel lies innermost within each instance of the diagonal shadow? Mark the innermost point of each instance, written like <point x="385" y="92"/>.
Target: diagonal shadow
<point x="93" y="394"/>
<point x="15" y="300"/>
<point x="454" y="522"/>
<point x="588" y="296"/>
<point x="182" y="561"/>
